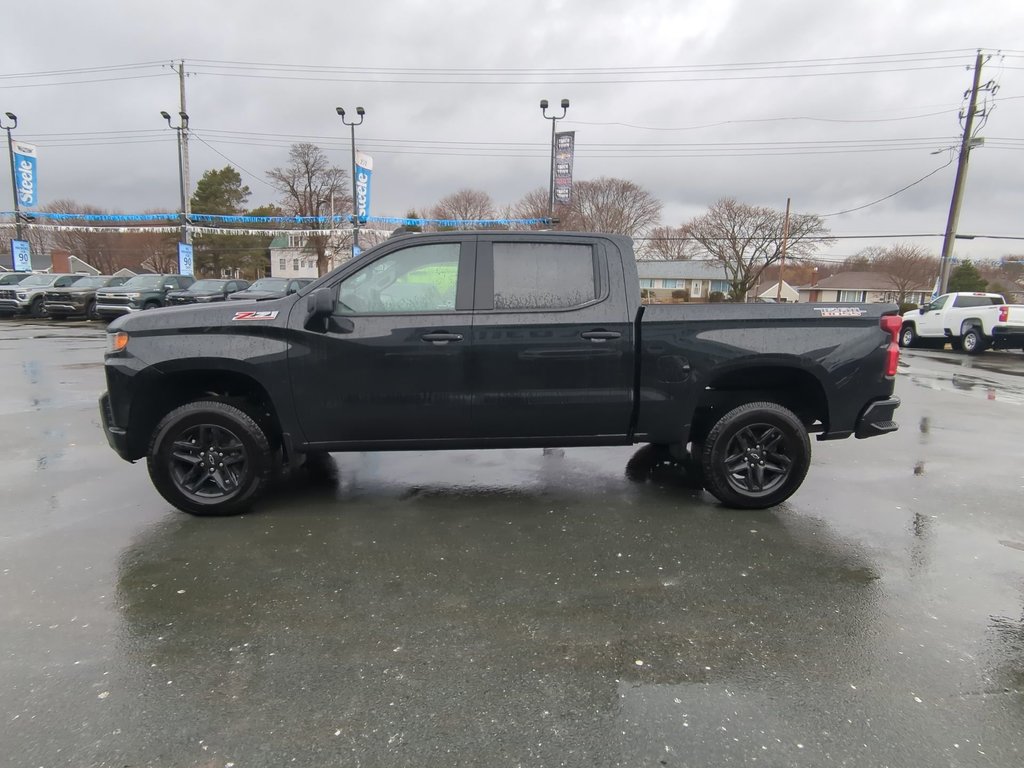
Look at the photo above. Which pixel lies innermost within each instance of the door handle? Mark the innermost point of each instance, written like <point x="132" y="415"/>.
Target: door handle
<point x="600" y="335"/>
<point x="441" y="337"/>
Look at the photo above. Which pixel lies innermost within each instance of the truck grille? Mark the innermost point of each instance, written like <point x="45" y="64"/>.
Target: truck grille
<point x="113" y="301"/>
<point x="6" y="294"/>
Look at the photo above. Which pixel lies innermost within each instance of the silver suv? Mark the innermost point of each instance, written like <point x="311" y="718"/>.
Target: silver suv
<point x="26" y="298"/>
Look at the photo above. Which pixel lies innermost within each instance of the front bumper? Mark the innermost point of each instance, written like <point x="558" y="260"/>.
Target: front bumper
<point x="117" y="437"/>
<point x="116" y="309"/>
<point x="877" y="418"/>
<point x="14" y="307"/>
<point x="65" y="307"/>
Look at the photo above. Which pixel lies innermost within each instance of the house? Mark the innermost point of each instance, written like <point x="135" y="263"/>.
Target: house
<point x="291" y="255"/>
<point x="699" y="278"/>
<point x="861" y="288"/>
<point x="788" y="292"/>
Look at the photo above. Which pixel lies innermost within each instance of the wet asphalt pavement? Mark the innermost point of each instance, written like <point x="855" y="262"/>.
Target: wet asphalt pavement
<point x="514" y="608"/>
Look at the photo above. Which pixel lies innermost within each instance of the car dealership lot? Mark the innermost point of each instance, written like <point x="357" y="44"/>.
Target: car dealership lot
<point x="573" y="607"/>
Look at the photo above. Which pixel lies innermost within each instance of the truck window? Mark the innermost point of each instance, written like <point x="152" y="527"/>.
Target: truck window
<point x="977" y="301"/>
<point x="421" y="278"/>
<point x="543" y="276"/>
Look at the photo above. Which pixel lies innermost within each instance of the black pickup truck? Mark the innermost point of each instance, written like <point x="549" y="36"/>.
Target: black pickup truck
<point x="492" y="340"/>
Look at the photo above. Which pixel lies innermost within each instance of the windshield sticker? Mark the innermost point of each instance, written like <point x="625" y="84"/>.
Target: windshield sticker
<point x="841" y="311"/>
<point x="255" y="315"/>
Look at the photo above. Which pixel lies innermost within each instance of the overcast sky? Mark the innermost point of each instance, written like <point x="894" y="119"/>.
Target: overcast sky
<point x="867" y="92"/>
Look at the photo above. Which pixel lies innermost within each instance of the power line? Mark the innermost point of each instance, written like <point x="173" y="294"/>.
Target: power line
<point x="898" y="191"/>
<point x="241" y="168"/>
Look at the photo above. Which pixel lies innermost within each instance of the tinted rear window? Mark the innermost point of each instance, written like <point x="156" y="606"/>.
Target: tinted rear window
<point x="977" y="301"/>
<point x="543" y="276"/>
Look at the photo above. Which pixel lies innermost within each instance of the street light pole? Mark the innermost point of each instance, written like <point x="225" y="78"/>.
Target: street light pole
<point x="551" y="178"/>
<point x="14" y="183"/>
<point x="186" y="232"/>
<point x="355" y="205"/>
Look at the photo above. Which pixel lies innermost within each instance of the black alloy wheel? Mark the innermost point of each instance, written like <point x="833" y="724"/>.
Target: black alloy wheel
<point x="209" y="458"/>
<point x="37" y="308"/>
<point x="756" y="456"/>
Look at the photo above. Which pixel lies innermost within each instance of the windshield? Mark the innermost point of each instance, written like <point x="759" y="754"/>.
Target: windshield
<point x="269" y="284"/>
<point x="145" y="281"/>
<point x="38" y="280"/>
<point x="207" y="285"/>
<point x="12" y="279"/>
<point x="91" y="282"/>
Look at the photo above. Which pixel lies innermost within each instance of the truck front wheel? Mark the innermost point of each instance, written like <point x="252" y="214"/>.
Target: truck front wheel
<point x="908" y="336"/>
<point x="755" y="456"/>
<point x="209" y="458"/>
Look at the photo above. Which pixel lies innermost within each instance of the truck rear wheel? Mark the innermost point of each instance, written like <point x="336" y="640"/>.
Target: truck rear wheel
<point x="973" y="341"/>
<point x="755" y="456"/>
<point x="209" y="458"/>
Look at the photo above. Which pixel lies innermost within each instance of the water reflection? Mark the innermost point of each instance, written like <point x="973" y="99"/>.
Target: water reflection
<point x="383" y="611"/>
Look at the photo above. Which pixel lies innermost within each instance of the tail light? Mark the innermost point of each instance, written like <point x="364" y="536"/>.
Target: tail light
<point x="891" y="324"/>
<point x="1004" y="313"/>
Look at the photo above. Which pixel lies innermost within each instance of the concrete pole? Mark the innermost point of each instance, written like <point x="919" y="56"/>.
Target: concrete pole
<point x="183" y="134"/>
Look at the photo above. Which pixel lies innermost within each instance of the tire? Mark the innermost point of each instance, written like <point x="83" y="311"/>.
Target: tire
<point x="209" y="458"/>
<point x="908" y="336"/>
<point x="150" y="305"/>
<point x="755" y="456"/>
<point x="90" y="311"/>
<point x="973" y="341"/>
<point x="37" y="309"/>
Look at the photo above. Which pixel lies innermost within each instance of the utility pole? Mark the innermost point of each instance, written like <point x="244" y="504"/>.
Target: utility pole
<point x="961" y="176"/>
<point x="183" y="135"/>
<point x="782" y="260"/>
<point x="14" y="172"/>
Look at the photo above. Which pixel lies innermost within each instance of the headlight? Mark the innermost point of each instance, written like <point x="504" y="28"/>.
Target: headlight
<point x="133" y="295"/>
<point x="22" y="296"/>
<point x="204" y="298"/>
<point x="116" y="342"/>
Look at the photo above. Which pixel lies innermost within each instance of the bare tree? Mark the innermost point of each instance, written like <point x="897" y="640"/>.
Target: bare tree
<point x="908" y="267"/>
<point x="745" y="239"/>
<point x="466" y="204"/>
<point x="309" y="183"/>
<point x="532" y="205"/>
<point x="615" y="206"/>
<point x="667" y="244"/>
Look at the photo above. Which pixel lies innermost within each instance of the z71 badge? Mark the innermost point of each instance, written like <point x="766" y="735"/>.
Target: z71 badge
<point x="255" y="315"/>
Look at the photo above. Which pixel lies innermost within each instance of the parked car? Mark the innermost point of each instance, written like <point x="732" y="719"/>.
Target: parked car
<point x="272" y="288"/>
<point x="971" y="321"/>
<point x="138" y="293"/>
<point x="27" y="296"/>
<point x="78" y="298"/>
<point x="13" y="278"/>
<point x="205" y="291"/>
<point x="492" y="340"/>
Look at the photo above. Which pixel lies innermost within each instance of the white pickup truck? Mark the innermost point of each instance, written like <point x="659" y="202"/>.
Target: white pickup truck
<point x="972" y="322"/>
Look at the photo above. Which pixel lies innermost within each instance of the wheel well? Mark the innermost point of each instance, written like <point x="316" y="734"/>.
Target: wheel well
<point x="792" y="388"/>
<point x="971" y="322"/>
<point x="159" y="398"/>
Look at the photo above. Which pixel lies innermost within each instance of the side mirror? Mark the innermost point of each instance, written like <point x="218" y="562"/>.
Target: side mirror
<point x="922" y="310"/>
<point x="319" y="305"/>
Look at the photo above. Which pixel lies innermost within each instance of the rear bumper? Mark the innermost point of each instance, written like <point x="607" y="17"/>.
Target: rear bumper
<point x="877" y="418"/>
<point x="1007" y="336"/>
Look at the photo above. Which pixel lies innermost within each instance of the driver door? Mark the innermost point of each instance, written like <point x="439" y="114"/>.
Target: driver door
<point x="931" y="322"/>
<point x="392" y="362"/>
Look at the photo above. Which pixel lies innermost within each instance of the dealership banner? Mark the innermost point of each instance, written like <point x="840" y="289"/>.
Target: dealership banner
<point x="26" y="177"/>
<point x="564" y="146"/>
<point x="185" y="263"/>
<point x="21" y="256"/>
<point x="364" y="175"/>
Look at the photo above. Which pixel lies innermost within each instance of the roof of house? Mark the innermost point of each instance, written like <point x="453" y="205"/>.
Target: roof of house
<point x="686" y="269"/>
<point x="859" y="281"/>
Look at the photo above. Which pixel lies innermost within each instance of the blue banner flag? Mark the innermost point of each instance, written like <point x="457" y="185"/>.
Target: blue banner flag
<point x="364" y="174"/>
<point x="26" y="174"/>
<point x="184" y="259"/>
<point x="21" y="256"/>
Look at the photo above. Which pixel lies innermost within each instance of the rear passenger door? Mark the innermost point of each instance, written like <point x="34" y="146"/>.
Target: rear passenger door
<point x="552" y="342"/>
